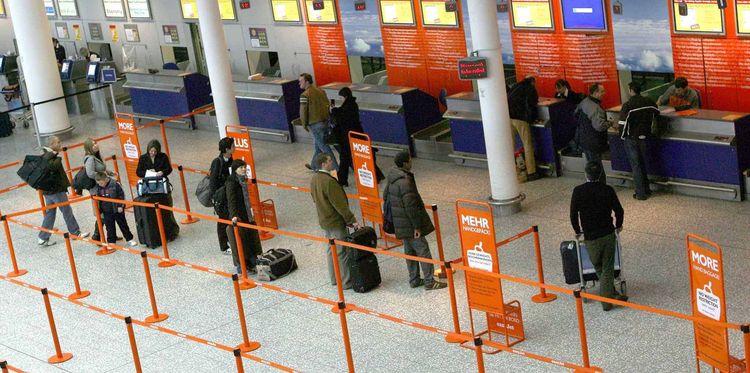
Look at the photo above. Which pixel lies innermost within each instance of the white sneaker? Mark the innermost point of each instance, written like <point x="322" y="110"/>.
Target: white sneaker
<point x="45" y="243"/>
<point x="227" y="252"/>
<point x="84" y="234"/>
<point x="133" y="243"/>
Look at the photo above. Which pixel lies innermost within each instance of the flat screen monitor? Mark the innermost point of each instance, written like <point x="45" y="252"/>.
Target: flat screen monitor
<point x="397" y="12"/>
<point x="584" y="15"/>
<point x="286" y="11"/>
<point x="92" y="70"/>
<point x="2" y="64"/>
<point x="532" y="15"/>
<point x="65" y="68"/>
<point x="325" y="15"/>
<point x="697" y="17"/>
<point x="435" y="14"/>
<point x="743" y="16"/>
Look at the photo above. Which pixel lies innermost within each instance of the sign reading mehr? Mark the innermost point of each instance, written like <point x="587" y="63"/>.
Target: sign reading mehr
<point x="472" y="68"/>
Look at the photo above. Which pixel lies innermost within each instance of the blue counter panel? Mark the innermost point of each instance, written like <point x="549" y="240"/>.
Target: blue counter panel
<point x="198" y="91"/>
<point x="263" y="114"/>
<point x="159" y="103"/>
<point x="385" y="127"/>
<point x="468" y="136"/>
<point x="682" y="160"/>
<point x="544" y="148"/>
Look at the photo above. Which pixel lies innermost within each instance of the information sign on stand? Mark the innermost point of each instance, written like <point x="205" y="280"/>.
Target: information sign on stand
<point x="364" y="172"/>
<point x="131" y="149"/>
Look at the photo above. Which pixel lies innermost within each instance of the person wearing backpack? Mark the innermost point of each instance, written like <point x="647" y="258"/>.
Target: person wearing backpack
<point x="218" y="174"/>
<point x="92" y="165"/>
<point x="592" y="125"/>
<point x="410" y="221"/>
<point x="56" y="192"/>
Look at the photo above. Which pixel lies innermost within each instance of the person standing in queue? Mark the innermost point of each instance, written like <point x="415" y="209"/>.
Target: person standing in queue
<point x="346" y="119"/>
<point x="241" y="211"/>
<point x="680" y="96"/>
<point x="313" y="115"/>
<point x="221" y="168"/>
<point x="591" y="208"/>
<point x="334" y="215"/>
<point x="59" y="52"/>
<point x="155" y="162"/>
<point x="636" y="117"/>
<point x="592" y="125"/>
<point x="94" y="164"/>
<point x="410" y="221"/>
<point x="56" y="193"/>
<point x="522" y="104"/>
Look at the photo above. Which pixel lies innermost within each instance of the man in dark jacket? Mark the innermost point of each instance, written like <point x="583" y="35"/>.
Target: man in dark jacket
<point x="59" y="52"/>
<point x="636" y="117"/>
<point x="522" y="104"/>
<point x="57" y="192"/>
<point x="240" y="211"/>
<point x="592" y="127"/>
<point x="591" y="207"/>
<point x="410" y="221"/>
<point x="218" y="174"/>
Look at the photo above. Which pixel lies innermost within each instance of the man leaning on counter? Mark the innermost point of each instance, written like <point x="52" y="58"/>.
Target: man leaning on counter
<point x="680" y="96"/>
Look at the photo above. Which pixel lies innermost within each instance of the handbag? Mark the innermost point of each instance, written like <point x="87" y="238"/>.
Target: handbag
<point x="203" y="192"/>
<point x="82" y="181"/>
<point x="330" y="137"/>
<point x="388" y="226"/>
<point x="275" y="263"/>
<point x="154" y="185"/>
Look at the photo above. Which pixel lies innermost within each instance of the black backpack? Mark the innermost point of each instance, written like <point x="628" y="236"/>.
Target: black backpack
<point x="36" y="172"/>
<point x="82" y="181"/>
<point x="221" y="206"/>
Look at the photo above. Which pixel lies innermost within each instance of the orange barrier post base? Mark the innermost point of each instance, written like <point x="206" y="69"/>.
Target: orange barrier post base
<point x="189" y="220"/>
<point x="105" y="251"/>
<point x="265" y="236"/>
<point x="60" y="359"/>
<point x="166" y="263"/>
<point x="347" y="308"/>
<point x="595" y="368"/>
<point x="17" y="273"/>
<point x="456" y="337"/>
<point x="248" y="347"/>
<point x="156" y="318"/>
<point x="543" y="298"/>
<point x="246" y="285"/>
<point x="81" y="295"/>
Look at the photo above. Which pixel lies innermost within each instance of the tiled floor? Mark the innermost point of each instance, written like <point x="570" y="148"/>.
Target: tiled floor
<point x="305" y="335"/>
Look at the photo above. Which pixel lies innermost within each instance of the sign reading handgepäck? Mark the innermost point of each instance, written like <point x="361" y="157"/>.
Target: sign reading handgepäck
<point x="131" y="152"/>
<point x="363" y="162"/>
<point x="709" y="301"/>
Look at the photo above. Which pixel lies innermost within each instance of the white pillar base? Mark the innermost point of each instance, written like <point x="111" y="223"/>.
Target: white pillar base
<point x="506" y="207"/>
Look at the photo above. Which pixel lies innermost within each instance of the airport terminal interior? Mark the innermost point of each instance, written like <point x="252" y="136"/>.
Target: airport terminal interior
<point x="490" y="99"/>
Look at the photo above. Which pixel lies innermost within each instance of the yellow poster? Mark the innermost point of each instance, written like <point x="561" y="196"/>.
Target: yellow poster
<point x="77" y="32"/>
<point x="190" y="9"/>
<point x="2" y="8"/>
<point x="698" y="18"/>
<point x="325" y="15"/>
<point x="743" y="18"/>
<point x="434" y="14"/>
<point x="397" y="12"/>
<point x="285" y="11"/>
<point x="532" y="14"/>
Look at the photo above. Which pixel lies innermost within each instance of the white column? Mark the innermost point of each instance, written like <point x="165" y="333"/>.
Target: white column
<point x="498" y="136"/>
<point x="217" y="59"/>
<point x="39" y="65"/>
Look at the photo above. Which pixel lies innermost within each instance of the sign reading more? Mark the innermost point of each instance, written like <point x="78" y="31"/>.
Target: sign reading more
<point x="367" y="185"/>
<point x="128" y="135"/>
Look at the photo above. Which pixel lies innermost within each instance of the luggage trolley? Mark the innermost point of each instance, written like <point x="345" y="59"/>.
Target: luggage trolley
<point x="586" y="274"/>
<point x="14" y="98"/>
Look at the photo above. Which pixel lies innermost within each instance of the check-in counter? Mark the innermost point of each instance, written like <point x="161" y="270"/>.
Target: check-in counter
<point x="73" y="79"/>
<point x="704" y="154"/>
<point x="268" y="106"/>
<point x="167" y="93"/>
<point x="467" y="133"/>
<point x="390" y="115"/>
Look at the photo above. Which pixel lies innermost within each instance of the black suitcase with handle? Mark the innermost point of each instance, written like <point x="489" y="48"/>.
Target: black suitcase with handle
<point x="148" y="226"/>
<point x="363" y="265"/>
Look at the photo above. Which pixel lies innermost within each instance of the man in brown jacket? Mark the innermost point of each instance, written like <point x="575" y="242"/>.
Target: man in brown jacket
<point x="313" y="115"/>
<point x="334" y="214"/>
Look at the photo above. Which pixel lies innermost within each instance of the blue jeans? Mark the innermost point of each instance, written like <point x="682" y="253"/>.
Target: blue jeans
<point x="49" y="215"/>
<point x="318" y="131"/>
<point x="596" y="157"/>
<point x="636" y="150"/>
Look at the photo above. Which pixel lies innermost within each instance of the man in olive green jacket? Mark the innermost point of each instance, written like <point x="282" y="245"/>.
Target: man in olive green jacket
<point x="314" y="112"/>
<point x="334" y="214"/>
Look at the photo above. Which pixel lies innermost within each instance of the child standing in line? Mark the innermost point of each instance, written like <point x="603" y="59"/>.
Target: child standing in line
<point x="112" y="212"/>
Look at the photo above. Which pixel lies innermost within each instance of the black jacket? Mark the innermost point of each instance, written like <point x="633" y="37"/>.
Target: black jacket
<point x="407" y="206"/>
<point x="160" y="163"/>
<point x="591" y="125"/>
<point x="346" y="118"/>
<point x="636" y="117"/>
<point x="113" y="190"/>
<point x="522" y="102"/>
<point x="593" y="203"/>
<point x="219" y="172"/>
<point x="61" y="182"/>
<point x="236" y="199"/>
<point x="572" y="97"/>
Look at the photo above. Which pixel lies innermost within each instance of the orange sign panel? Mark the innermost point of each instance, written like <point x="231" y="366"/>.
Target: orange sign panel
<point x="131" y="149"/>
<point x="707" y="293"/>
<point x="364" y="171"/>
<point x="511" y="324"/>
<point x="243" y="150"/>
<point x="477" y="232"/>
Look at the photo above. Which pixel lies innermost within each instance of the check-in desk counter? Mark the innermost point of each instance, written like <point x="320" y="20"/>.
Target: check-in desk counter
<point x="704" y="154"/>
<point x="390" y="115"/>
<point x="467" y="133"/>
<point x="73" y="79"/>
<point x="268" y="106"/>
<point x="167" y="93"/>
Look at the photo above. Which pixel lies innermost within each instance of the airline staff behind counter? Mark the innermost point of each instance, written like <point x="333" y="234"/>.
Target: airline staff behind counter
<point x="680" y="96"/>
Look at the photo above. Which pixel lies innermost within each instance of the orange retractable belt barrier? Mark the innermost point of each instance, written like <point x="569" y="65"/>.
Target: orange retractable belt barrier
<point x="133" y="345"/>
<point x="78" y="293"/>
<point x="59" y="356"/>
<point x="246" y="345"/>
<point x="5" y="367"/>
<point x="155" y="315"/>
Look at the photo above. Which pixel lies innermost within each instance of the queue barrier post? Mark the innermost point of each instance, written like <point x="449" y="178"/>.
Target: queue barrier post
<point x="105" y="250"/>
<point x="341" y="307"/>
<point x="246" y="284"/>
<point x="479" y="353"/>
<point x="337" y="274"/>
<point x="582" y="329"/>
<point x="116" y="168"/>
<point x="166" y="262"/>
<point x="746" y="338"/>
<point x="155" y="316"/>
<point x="238" y="360"/>
<point x="78" y="293"/>
<point x="59" y="356"/>
<point x="16" y="272"/>
<point x="542" y="297"/>
<point x="456" y="336"/>
<point x="4" y="366"/>
<point x="42" y="202"/>
<point x="68" y="171"/>
<point x="133" y="345"/>
<point x="440" y="272"/>
<point x="164" y="138"/>
<point x="189" y="219"/>
<point x="246" y="345"/>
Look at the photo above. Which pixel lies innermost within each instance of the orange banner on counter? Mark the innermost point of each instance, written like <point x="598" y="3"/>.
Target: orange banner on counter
<point x="363" y="162"/>
<point x="476" y="228"/>
<point x="131" y="149"/>
<point x="709" y="301"/>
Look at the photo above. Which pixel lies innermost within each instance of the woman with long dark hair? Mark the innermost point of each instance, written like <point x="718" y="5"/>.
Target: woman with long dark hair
<point x="94" y="164"/>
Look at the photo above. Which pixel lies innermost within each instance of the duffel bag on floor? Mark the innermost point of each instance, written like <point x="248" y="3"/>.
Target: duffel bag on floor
<point x="275" y="263"/>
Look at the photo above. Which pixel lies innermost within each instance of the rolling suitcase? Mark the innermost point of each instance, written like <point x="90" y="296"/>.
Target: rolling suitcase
<point x="148" y="226"/>
<point x="578" y="269"/>
<point x="363" y="265"/>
